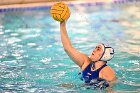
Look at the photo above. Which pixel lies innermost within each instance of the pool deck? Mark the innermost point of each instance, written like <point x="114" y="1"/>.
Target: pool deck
<point x="49" y="3"/>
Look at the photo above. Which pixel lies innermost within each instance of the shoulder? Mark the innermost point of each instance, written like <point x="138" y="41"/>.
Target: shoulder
<point x="107" y="69"/>
<point x="108" y="73"/>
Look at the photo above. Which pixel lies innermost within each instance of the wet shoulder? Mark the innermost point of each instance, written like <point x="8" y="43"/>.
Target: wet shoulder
<point x="107" y="73"/>
<point x="107" y="69"/>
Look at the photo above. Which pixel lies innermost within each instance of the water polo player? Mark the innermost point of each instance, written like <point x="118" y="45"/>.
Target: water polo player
<point x="93" y="67"/>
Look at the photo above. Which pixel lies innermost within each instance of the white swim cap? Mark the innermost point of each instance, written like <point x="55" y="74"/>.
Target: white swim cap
<point x="108" y="53"/>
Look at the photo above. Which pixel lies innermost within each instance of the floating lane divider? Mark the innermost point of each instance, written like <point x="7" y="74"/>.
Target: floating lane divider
<point x="24" y="8"/>
<point x="46" y="7"/>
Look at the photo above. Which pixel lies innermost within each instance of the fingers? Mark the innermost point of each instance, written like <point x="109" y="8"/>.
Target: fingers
<point x="63" y="22"/>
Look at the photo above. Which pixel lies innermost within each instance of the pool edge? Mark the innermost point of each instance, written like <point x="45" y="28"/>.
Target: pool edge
<point x="47" y="4"/>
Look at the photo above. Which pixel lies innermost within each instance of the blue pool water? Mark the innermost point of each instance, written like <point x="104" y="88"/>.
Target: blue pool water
<point x="32" y="59"/>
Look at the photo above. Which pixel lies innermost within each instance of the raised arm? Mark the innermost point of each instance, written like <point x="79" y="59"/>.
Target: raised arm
<point x="74" y="54"/>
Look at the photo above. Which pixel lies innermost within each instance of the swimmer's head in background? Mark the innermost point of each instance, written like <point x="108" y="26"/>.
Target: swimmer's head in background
<point x="108" y="53"/>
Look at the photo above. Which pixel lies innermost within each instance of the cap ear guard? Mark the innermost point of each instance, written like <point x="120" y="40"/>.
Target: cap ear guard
<point x="108" y="53"/>
<point x="112" y="51"/>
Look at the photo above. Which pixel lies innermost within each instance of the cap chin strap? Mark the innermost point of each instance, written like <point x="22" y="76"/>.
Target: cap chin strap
<point x="96" y="61"/>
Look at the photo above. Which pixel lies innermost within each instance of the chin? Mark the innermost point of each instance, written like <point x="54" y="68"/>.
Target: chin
<point x="93" y="59"/>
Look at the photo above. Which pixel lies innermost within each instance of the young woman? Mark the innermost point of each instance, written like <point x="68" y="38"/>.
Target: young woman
<point x="92" y="67"/>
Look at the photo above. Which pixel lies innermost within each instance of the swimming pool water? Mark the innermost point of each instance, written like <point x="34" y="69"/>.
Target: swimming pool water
<point x="32" y="59"/>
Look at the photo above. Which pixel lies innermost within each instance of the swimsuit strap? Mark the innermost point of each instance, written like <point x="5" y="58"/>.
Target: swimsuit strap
<point x="101" y="67"/>
<point x="92" y="65"/>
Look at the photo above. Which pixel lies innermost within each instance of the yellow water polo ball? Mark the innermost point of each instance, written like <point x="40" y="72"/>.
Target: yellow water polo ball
<point x="60" y="11"/>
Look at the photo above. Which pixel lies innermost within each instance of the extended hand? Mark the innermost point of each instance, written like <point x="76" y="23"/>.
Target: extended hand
<point x="63" y="23"/>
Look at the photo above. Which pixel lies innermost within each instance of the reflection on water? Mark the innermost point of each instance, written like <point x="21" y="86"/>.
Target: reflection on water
<point x="32" y="58"/>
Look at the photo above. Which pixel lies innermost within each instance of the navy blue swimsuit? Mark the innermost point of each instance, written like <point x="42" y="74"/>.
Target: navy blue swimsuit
<point x="91" y="78"/>
<point x="88" y="75"/>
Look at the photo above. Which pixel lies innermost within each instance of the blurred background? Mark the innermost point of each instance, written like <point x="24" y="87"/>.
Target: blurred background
<point x="32" y="59"/>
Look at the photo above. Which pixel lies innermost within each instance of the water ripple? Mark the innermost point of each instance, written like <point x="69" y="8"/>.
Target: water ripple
<point x="32" y="58"/>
